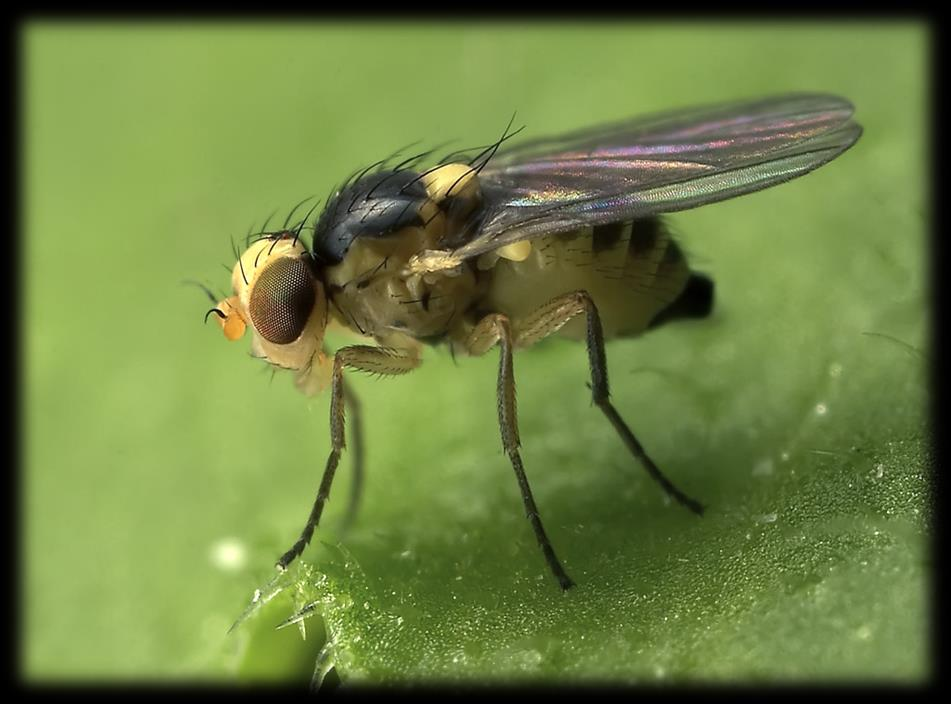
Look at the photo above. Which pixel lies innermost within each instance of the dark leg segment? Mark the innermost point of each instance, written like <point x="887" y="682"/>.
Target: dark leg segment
<point x="337" y="444"/>
<point x="548" y="320"/>
<point x="599" y="390"/>
<point x="377" y="360"/>
<point x="496" y="328"/>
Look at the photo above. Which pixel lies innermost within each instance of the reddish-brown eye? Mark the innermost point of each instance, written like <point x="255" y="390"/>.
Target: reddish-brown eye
<point x="282" y="300"/>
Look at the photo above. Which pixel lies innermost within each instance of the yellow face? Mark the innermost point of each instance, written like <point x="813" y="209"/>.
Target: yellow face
<point x="278" y="296"/>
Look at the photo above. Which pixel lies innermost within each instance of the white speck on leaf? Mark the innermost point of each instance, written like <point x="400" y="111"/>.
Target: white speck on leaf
<point x="228" y="555"/>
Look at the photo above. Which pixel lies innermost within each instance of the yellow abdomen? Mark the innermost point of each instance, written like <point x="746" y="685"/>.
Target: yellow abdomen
<point x="631" y="270"/>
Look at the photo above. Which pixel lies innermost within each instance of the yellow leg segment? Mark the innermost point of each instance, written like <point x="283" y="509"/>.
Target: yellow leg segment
<point x="356" y="452"/>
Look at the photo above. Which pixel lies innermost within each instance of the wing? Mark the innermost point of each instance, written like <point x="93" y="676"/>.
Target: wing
<point x="655" y="164"/>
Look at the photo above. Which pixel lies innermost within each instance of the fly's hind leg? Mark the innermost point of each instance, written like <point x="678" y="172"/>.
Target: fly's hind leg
<point x="375" y="360"/>
<point x="549" y="319"/>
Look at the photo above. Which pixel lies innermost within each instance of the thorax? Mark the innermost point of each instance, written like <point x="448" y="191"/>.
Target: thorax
<point x="371" y="293"/>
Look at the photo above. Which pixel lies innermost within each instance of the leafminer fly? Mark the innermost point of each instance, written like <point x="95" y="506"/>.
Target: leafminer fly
<point x="502" y="247"/>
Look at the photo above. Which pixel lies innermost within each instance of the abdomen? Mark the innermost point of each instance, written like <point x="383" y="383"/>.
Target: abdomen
<point x="632" y="270"/>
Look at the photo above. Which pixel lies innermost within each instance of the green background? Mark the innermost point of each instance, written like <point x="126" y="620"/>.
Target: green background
<point x="151" y="445"/>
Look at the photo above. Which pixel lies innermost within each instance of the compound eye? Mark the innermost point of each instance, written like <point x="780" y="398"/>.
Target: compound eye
<point x="282" y="300"/>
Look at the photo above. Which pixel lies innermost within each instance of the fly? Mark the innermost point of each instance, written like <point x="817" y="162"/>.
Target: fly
<point x="503" y="247"/>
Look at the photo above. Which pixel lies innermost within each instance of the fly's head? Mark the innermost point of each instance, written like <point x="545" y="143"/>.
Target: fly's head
<point x="278" y="294"/>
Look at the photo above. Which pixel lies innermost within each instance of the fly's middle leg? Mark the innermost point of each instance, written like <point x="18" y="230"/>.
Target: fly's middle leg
<point x="496" y="329"/>
<point x="549" y="319"/>
<point x="376" y="360"/>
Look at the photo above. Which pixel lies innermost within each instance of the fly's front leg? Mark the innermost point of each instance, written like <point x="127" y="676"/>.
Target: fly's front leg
<point x="549" y="319"/>
<point x="491" y="330"/>
<point x="376" y="360"/>
<point x="356" y="451"/>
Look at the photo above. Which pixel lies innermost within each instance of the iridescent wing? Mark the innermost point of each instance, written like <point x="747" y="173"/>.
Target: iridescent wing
<point x="655" y="164"/>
